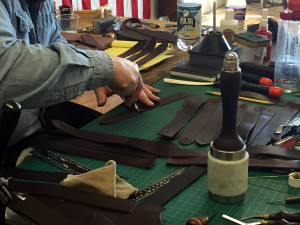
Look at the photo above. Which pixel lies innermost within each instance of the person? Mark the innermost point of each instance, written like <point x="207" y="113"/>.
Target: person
<point x="40" y="69"/>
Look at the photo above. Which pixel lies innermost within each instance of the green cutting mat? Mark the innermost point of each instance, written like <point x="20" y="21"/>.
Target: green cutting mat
<point x="193" y="201"/>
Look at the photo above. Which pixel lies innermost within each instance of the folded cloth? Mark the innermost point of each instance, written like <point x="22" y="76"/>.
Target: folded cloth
<point x="101" y="181"/>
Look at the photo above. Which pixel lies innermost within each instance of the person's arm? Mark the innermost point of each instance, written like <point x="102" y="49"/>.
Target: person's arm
<point x="38" y="76"/>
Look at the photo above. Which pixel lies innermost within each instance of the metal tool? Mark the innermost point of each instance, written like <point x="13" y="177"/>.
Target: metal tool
<point x="143" y="193"/>
<point x="294" y="199"/>
<point x="228" y="153"/>
<point x="199" y="220"/>
<point x="265" y="222"/>
<point x="292" y="217"/>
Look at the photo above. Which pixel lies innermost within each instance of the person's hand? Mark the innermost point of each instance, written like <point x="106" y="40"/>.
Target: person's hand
<point x="147" y="95"/>
<point x="128" y="84"/>
<point x="127" y="81"/>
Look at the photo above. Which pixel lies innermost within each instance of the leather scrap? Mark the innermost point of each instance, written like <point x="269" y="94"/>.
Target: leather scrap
<point x="146" y="50"/>
<point x="135" y="49"/>
<point x="130" y="113"/>
<point x="182" y="117"/>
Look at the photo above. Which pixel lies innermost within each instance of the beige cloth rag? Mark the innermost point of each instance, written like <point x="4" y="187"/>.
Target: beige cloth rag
<point x="101" y="181"/>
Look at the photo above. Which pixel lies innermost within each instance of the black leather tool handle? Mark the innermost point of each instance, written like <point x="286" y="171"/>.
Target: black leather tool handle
<point x="230" y="83"/>
<point x="9" y="117"/>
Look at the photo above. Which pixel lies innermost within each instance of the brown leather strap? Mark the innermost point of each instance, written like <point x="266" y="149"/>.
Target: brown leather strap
<point x="154" y="53"/>
<point x="211" y="128"/>
<point x="120" y="153"/>
<point x="273" y="151"/>
<point x="287" y="113"/>
<point x="25" y="174"/>
<point x="73" y="195"/>
<point x="270" y="163"/>
<point x="174" y="186"/>
<point x="146" y="50"/>
<point x="263" y="119"/>
<point x="182" y="117"/>
<point x="191" y="132"/>
<point x="130" y="113"/>
<point x="248" y="121"/>
<point x="142" y="214"/>
<point x="135" y="49"/>
<point x="29" y="206"/>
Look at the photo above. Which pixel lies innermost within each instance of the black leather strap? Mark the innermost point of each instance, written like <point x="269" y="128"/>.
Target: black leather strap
<point x="182" y="117"/>
<point x="248" y="121"/>
<point x="263" y="119"/>
<point x="176" y="185"/>
<point x="287" y="113"/>
<point x="130" y="113"/>
<point x="200" y="119"/>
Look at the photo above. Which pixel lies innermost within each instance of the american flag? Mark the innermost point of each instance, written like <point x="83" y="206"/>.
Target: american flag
<point x="127" y="8"/>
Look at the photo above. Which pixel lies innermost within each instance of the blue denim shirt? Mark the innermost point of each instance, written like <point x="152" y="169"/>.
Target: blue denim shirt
<point x="39" y="69"/>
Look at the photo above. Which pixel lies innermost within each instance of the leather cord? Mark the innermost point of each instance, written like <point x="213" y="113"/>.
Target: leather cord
<point x="182" y="117"/>
<point x="130" y="113"/>
<point x="265" y="116"/>
<point x="287" y="113"/>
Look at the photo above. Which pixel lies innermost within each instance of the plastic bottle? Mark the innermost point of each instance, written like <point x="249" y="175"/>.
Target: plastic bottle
<point x="228" y="25"/>
<point x="188" y="23"/>
<point x="287" y="64"/>
<point x="263" y="30"/>
<point x="239" y="7"/>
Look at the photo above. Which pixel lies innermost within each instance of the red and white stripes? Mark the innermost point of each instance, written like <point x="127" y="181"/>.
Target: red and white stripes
<point x="127" y="8"/>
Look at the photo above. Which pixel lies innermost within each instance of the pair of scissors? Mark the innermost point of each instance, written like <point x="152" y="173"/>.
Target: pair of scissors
<point x="265" y="222"/>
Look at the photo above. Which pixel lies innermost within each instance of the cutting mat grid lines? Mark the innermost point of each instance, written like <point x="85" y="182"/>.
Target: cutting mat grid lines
<point x="194" y="200"/>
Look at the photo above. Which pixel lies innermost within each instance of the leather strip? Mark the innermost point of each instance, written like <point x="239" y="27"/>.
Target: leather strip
<point x="211" y="128"/>
<point x="73" y="195"/>
<point x="248" y="121"/>
<point x="18" y="173"/>
<point x="130" y="113"/>
<point x="287" y="113"/>
<point x="263" y="119"/>
<point x="154" y="53"/>
<point x="163" y="149"/>
<point x="200" y="119"/>
<point x="183" y="116"/>
<point x="273" y="151"/>
<point x="176" y="185"/>
<point x="135" y="49"/>
<point x="142" y="214"/>
<point x="119" y="153"/>
<point x="146" y="50"/>
<point x="46" y="215"/>
<point x="270" y="163"/>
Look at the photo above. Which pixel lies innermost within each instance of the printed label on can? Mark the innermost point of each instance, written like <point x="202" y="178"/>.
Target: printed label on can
<point x="189" y="20"/>
<point x="239" y="14"/>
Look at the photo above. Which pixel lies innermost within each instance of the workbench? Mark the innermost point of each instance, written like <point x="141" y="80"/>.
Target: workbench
<point x="194" y="200"/>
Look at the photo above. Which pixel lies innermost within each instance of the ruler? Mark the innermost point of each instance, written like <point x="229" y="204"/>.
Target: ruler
<point x="75" y="168"/>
